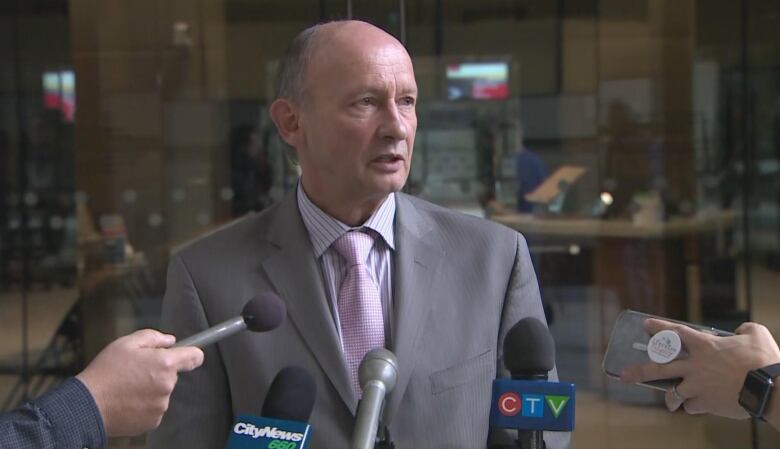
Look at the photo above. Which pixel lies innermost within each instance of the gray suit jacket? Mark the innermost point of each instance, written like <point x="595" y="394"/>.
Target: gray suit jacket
<point x="460" y="283"/>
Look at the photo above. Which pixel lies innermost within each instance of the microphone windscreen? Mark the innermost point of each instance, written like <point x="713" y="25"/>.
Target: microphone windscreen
<point x="291" y="395"/>
<point x="378" y="364"/>
<point x="529" y="347"/>
<point x="264" y="312"/>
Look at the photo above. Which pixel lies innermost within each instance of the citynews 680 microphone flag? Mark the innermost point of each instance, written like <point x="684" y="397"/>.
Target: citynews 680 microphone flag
<point x="252" y="432"/>
<point x="283" y="421"/>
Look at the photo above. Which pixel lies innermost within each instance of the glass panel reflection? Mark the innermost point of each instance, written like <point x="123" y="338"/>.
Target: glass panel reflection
<point x="634" y="144"/>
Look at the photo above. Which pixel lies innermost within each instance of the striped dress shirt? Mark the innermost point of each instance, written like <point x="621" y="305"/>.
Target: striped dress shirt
<point x="324" y="230"/>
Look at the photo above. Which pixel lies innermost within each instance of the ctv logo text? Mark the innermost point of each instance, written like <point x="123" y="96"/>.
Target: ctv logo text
<point x="531" y="405"/>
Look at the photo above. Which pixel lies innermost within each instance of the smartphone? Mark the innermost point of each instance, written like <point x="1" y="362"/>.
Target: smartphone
<point x="628" y="343"/>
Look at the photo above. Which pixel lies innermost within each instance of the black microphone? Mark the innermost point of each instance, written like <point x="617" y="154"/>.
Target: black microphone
<point x="291" y="395"/>
<point x="529" y="354"/>
<point x="284" y="417"/>
<point x="529" y="350"/>
<point x="264" y="312"/>
<point x="377" y="373"/>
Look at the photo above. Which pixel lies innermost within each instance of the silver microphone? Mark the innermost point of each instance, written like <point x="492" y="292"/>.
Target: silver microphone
<point x="377" y="374"/>
<point x="215" y="333"/>
<point x="262" y="313"/>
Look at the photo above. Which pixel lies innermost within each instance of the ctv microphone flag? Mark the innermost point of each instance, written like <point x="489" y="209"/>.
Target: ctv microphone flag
<point x="532" y="405"/>
<point x="253" y="432"/>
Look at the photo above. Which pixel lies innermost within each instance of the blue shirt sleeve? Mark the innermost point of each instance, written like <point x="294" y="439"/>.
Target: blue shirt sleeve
<point x="66" y="417"/>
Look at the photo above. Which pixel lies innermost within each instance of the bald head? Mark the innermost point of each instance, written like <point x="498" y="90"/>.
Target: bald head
<point x="346" y="107"/>
<point x="353" y="31"/>
<point x="325" y="43"/>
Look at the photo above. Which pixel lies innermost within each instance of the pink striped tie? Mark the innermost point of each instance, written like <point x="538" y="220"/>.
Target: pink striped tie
<point x="360" y="306"/>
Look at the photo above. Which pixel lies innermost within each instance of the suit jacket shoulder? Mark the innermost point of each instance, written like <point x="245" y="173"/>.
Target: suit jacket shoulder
<point x="248" y="230"/>
<point x="459" y="234"/>
<point x="452" y="219"/>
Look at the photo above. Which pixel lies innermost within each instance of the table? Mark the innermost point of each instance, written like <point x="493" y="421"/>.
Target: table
<point x="653" y="267"/>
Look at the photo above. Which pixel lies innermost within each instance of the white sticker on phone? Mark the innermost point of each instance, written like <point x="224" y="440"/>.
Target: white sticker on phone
<point x="664" y="346"/>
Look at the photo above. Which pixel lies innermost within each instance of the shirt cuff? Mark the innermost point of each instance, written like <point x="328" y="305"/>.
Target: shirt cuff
<point x="74" y="415"/>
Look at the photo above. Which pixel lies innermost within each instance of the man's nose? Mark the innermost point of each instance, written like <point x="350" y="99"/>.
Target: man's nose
<point x="394" y="126"/>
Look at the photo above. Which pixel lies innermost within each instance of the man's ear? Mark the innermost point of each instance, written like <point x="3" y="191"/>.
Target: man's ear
<point x="286" y="118"/>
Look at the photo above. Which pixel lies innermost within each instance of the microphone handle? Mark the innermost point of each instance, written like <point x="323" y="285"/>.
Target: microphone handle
<point x="385" y="442"/>
<point x="369" y="410"/>
<point x="214" y="334"/>
<point x="530" y="439"/>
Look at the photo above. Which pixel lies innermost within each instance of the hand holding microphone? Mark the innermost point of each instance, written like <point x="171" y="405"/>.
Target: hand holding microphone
<point x="131" y="380"/>
<point x="131" y="401"/>
<point x="262" y="313"/>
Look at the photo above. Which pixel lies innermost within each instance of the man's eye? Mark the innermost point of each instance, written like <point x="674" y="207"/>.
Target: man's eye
<point x="367" y="101"/>
<point x="408" y="101"/>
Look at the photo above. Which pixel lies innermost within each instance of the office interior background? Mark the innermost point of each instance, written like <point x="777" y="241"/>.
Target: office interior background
<point x="635" y="143"/>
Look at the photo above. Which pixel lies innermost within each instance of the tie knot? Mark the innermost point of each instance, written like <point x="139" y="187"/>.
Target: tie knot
<point x="354" y="246"/>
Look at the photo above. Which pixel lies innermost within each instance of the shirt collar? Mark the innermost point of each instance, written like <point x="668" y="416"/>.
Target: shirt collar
<point x="324" y="229"/>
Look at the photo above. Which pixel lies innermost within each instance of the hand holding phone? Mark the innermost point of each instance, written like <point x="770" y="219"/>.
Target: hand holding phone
<point x="630" y="344"/>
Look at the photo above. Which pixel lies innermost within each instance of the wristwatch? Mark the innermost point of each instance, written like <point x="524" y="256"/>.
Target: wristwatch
<point x="757" y="389"/>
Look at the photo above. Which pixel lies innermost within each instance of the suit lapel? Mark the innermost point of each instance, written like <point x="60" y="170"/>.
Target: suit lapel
<point x="417" y="260"/>
<point x="294" y="272"/>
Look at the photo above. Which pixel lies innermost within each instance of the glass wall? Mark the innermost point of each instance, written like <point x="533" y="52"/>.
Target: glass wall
<point x="635" y="144"/>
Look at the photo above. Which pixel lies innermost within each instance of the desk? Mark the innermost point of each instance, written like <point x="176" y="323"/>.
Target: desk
<point x="591" y="227"/>
<point x="652" y="267"/>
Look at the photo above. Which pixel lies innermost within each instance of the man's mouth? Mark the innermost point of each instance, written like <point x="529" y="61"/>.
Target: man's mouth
<point x="388" y="163"/>
<point x="389" y="158"/>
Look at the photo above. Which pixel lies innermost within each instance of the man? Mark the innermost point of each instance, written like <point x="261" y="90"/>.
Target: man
<point x="530" y="171"/>
<point x="714" y="372"/>
<point x="437" y="288"/>
<point x="123" y="392"/>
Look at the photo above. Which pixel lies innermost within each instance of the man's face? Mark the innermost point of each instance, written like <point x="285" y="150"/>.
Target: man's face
<point x="358" y="121"/>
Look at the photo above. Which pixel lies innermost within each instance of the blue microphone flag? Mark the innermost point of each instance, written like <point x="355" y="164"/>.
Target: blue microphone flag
<point x="532" y="405"/>
<point x="253" y="432"/>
